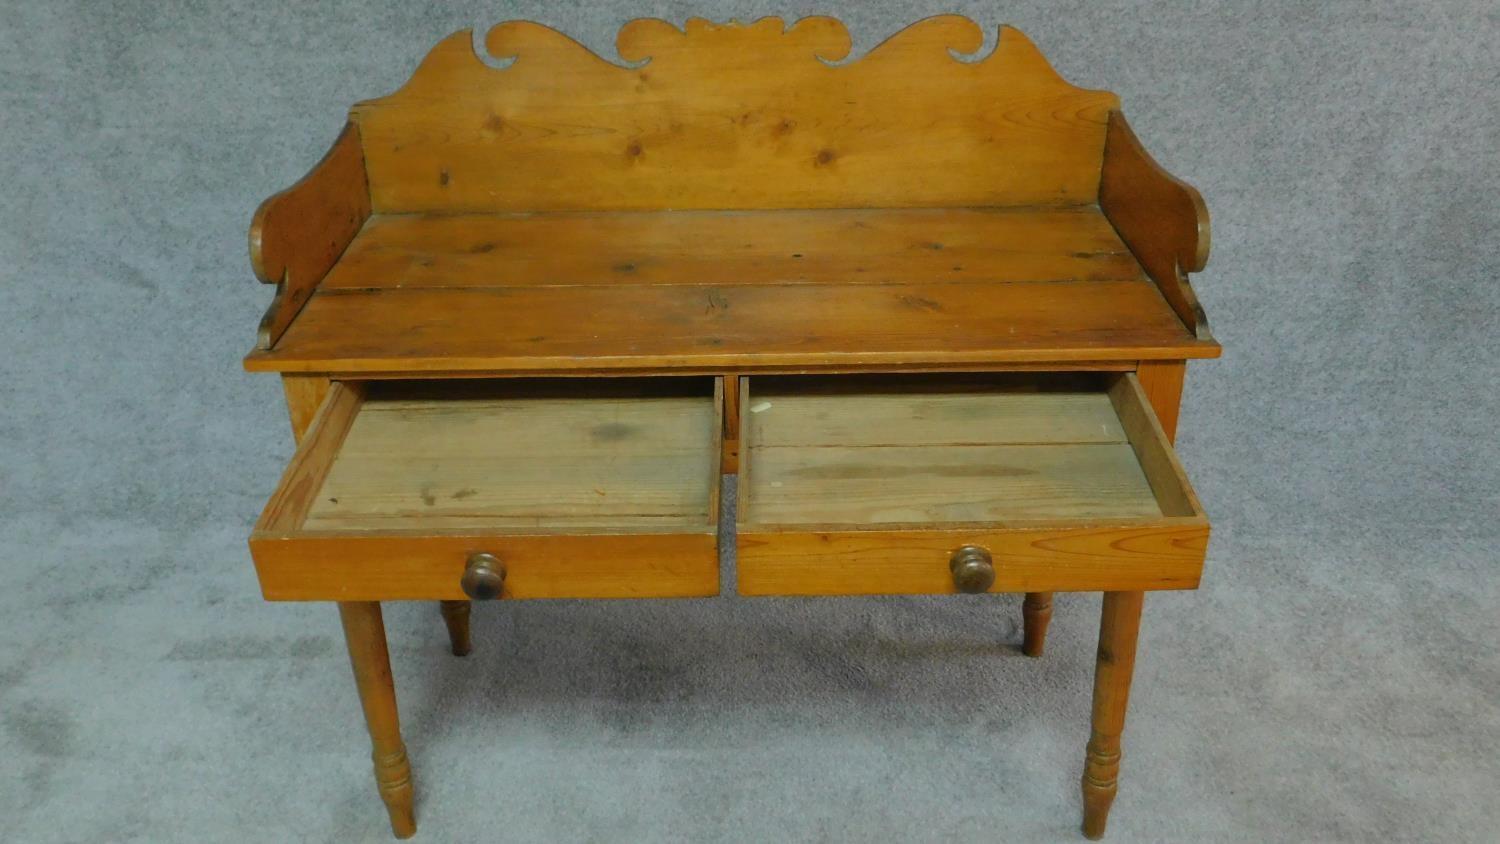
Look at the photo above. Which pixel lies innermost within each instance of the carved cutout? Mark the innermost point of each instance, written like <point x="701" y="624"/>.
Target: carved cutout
<point x="752" y="115"/>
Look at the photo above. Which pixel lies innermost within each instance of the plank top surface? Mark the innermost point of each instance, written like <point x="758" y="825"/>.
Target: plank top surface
<point x="881" y="458"/>
<point x="626" y="464"/>
<point x="671" y="290"/>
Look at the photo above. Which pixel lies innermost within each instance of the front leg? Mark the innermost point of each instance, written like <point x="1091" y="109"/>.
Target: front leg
<point x="1119" y="623"/>
<point x="364" y="630"/>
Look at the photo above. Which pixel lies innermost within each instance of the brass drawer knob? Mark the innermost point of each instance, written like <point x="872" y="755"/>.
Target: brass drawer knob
<point x="484" y="577"/>
<point x="973" y="569"/>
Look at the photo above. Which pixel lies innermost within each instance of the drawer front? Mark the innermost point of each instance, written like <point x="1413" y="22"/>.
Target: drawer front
<point x="374" y="568"/>
<point x="872" y="562"/>
<point x="509" y="490"/>
<point x="1020" y="484"/>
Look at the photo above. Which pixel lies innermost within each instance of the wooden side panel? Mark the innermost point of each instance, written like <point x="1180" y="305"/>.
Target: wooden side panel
<point x="1157" y="459"/>
<point x="1160" y="217"/>
<point x="733" y="116"/>
<point x="304" y="395"/>
<point x="729" y="389"/>
<point x="374" y="567"/>
<point x="313" y="460"/>
<point x="298" y="234"/>
<point x="1162" y="555"/>
<point x="1161" y="380"/>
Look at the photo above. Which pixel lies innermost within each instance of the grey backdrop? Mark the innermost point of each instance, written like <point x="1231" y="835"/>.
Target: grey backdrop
<point x="1336" y="678"/>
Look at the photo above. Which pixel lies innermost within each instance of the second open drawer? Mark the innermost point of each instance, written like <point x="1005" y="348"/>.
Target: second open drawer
<point x="550" y="489"/>
<point x="914" y="485"/>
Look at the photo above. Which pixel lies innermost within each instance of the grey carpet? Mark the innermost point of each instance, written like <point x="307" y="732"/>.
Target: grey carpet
<point x="1336" y="678"/>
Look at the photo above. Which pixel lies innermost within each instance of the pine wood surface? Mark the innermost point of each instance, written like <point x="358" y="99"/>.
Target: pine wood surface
<point x="913" y="559"/>
<point x="903" y="209"/>
<point x="522" y="463"/>
<point x="585" y="329"/>
<point x="1119" y="627"/>
<point x="956" y="457"/>
<point x="733" y="200"/>
<point x="297" y="235"/>
<point x="364" y="632"/>
<point x="733" y="116"/>
<point x="1160" y="217"/>
<point x="848" y="489"/>
<point x="427" y="565"/>
<point x="854" y="246"/>
<point x="608" y="496"/>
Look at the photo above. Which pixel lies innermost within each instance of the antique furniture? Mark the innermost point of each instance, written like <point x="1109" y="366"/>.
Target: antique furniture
<point x="933" y="310"/>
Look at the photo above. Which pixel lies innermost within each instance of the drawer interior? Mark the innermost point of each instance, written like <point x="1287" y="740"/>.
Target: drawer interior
<point x="571" y="456"/>
<point x="884" y="452"/>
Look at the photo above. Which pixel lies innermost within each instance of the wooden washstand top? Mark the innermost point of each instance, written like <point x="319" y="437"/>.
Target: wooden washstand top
<point x="734" y="197"/>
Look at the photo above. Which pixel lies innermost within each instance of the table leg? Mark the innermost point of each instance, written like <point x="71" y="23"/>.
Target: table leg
<point x="456" y="616"/>
<point x="1118" y="625"/>
<point x="1036" y="614"/>
<point x="364" y="630"/>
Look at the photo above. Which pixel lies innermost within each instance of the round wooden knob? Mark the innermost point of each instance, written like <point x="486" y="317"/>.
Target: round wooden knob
<point x="973" y="569"/>
<point x="484" y="577"/>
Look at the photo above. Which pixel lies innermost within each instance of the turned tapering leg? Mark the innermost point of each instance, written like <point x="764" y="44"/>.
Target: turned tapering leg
<point x="1118" y="625"/>
<point x="1036" y="614"/>
<point x="364" y="630"/>
<point x="456" y="616"/>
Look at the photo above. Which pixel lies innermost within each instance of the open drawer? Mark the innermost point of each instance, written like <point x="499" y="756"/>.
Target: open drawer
<point x="1022" y="483"/>
<point x="583" y="488"/>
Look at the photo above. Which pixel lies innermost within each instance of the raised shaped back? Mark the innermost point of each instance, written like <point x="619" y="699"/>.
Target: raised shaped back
<point x="733" y="116"/>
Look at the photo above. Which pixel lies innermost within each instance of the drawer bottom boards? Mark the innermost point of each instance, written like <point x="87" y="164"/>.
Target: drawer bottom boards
<point x="849" y="485"/>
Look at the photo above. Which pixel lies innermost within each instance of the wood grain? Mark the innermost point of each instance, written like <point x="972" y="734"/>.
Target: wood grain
<point x="396" y="565"/>
<point x="1164" y="554"/>
<point x="978" y="456"/>
<point x="851" y="487"/>
<point x="516" y="463"/>
<point x="584" y="372"/>
<point x="304" y="396"/>
<point x="364" y="632"/>
<point x="1161" y="381"/>
<point x="1160" y="217"/>
<point x="730" y="388"/>
<point x="297" y="235"/>
<point x="1157" y="459"/>
<point x="1036" y="615"/>
<point x="1119" y="626"/>
<point x="612" y="495"/>
<point x="821" y="414"/>
<point x="967" y="483"/>
<point x="710" y="327"/>
<point x="733" y="116"/>
<point x="851" y="246"/>
<point x="311" y="462"/>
